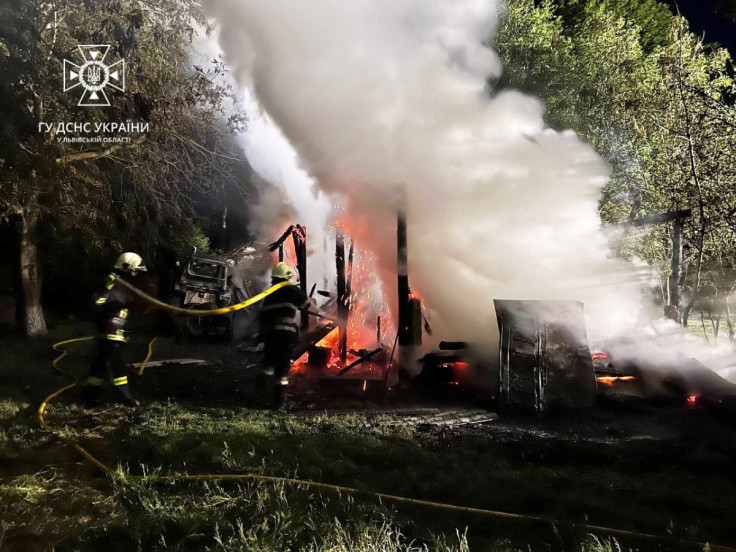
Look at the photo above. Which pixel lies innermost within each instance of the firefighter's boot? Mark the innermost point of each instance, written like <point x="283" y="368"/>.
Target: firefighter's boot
<point x="123" y="392"/>
<point x="92" y="392"/>
<point x="278" y="392"/>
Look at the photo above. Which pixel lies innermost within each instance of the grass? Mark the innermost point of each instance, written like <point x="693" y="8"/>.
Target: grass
<point x="429" y="465"/>
<point x="61" y="504"/>
<point x="51" y="499"/>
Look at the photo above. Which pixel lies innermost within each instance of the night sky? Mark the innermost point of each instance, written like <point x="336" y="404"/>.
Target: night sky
<point x="704" y="17"/>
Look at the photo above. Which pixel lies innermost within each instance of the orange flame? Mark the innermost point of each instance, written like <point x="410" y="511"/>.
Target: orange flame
<point x="610" y="380"/>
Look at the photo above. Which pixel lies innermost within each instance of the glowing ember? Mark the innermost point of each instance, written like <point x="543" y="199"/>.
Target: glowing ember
<point x="692" y="399"/>
<point x="610" y="380"/>
<point x="330" y="340"/>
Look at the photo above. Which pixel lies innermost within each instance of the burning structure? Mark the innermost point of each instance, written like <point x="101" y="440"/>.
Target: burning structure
<point x="544" y="362"/>
<point x="388" y="107"/>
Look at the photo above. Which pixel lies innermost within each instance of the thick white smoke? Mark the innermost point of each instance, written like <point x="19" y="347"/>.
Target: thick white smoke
<point x="286" y="193"/>
<point x="274" y="159"/>
<point x="386" y="99"/>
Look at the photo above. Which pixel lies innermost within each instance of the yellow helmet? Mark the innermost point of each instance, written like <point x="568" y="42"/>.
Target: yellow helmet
<point x="130" y="262"/>
<point x="282" y="271"/>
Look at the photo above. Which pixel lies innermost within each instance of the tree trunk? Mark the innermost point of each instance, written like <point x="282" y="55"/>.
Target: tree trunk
<point x="729" y="324"/>
<point x="701" y="201"/>
<point x="28" y="294"/>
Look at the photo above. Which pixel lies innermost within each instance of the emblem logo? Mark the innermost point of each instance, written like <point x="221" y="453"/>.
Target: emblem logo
<point x="94" y="75"/>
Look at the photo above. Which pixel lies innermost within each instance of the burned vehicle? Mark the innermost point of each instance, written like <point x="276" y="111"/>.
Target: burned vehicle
<point x="205" y="283"/>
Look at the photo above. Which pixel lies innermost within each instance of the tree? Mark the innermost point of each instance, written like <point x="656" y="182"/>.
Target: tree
<point x="651" y="18"/>
<point x="657" y="108"/>
<point x="105" y="197"/>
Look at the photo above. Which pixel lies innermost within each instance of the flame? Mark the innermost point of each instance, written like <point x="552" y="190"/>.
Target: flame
<point x="365" y="308"/>
<point x="330" y="340"/>
<point x="610" y="380"/>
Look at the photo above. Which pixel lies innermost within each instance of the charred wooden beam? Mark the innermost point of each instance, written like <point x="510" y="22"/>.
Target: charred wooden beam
<point x="299" y="235"/>
<point x="280" y="242"/>
<point x="342" y="300"/>
<point x="410" y="311"/>
<point x="405" y="335"/>
<point x="361" y="360"/>
<point x="349" y="278"/>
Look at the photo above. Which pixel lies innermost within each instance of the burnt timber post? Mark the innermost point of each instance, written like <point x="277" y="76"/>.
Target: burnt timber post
<point x="347" y="303"/>
<point x="279" y="243"/>
<point x="342" y="299"/>
<point x="349" y="276"/>
<point x="410" y="314"/>
<point x="299" y="235"/>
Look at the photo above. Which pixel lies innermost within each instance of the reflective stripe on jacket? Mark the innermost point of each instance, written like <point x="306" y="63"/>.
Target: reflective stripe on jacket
<point x="280" y="310"/>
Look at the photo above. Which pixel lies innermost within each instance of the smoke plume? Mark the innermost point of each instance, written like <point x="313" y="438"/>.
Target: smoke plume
<point x="387" y="104"/>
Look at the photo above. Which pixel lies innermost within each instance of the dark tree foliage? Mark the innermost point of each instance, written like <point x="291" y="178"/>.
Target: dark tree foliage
<point x="727" y="8"/>
<point x="77" y="206"/>
<point x="651" y="17"/>
<point x="659" y="112"/>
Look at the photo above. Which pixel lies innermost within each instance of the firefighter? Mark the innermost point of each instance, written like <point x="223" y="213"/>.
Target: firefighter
<point x="279" y="330"/>
<point x="111" y="314"/>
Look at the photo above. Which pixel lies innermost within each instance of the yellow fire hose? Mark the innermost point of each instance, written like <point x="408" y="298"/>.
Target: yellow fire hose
<point x="353" y="491"/>
<point x="148" y="356"/>
<point x="210" y="312"/>
<point x="55" y="347"/>
<point x="55" y="363"/>
<point x="161" y="304"/>
<point x="302" y="482"/>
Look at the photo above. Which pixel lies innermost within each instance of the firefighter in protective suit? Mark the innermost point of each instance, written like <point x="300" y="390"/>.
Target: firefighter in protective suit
<point x="279" y="330"/>
<point x="111" y="314"/>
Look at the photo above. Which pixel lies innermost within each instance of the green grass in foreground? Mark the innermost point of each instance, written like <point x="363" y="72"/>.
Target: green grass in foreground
<point x="51" y="501"/>
<point x="241" y="517"/>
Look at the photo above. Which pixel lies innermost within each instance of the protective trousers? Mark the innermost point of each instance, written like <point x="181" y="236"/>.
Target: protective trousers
<point x="107" y="363"/>
<point x="277" y="360"/>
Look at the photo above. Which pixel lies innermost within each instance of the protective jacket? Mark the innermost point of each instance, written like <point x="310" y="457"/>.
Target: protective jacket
<point x="279" y="310"/>
<point x="111" y="310"/>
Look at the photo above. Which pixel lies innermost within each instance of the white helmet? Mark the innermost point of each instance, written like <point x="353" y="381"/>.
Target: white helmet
<point x="130" y="262"/>
<point x="282" y="271"/>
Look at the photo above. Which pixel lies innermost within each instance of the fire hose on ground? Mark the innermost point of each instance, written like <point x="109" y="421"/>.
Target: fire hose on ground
<point x="304" y="482"/>
<point x="55" y="363"/>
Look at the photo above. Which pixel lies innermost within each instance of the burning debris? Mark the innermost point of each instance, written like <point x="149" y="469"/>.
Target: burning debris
<point x="544" y="360"/>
